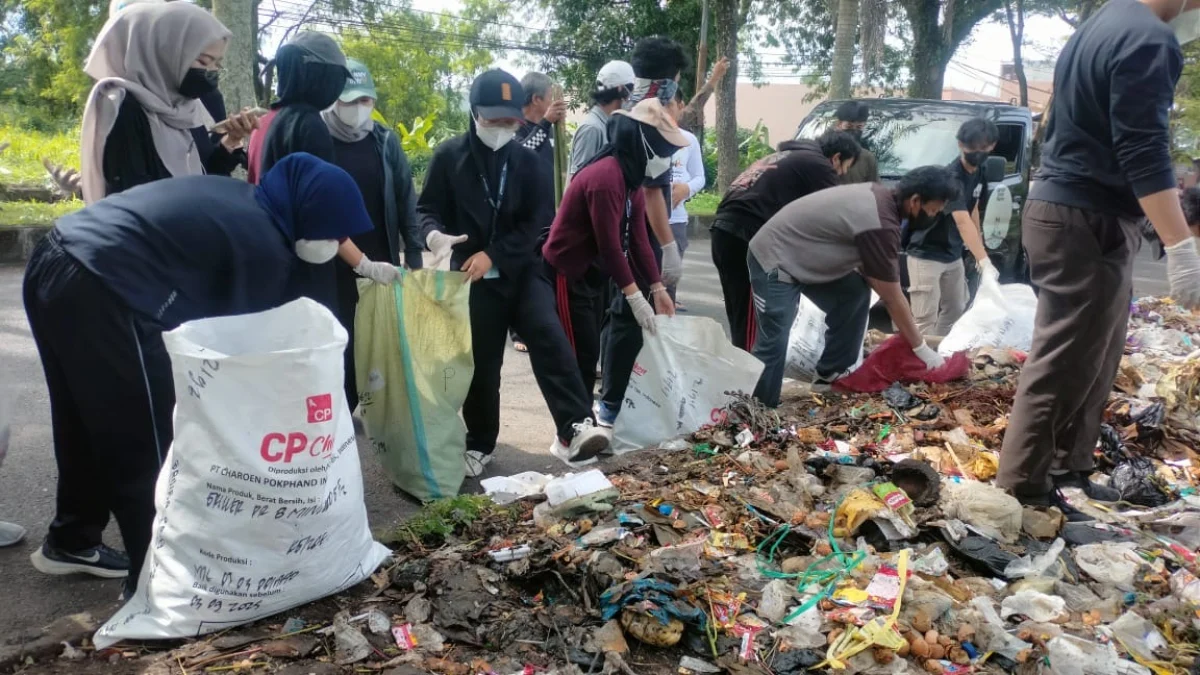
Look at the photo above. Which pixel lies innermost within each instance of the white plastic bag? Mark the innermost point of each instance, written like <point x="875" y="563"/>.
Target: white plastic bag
<point x="806" y="341"/>
<point x="679" y="382"/>
<point x="260" y="501"/>
<point x="1002" y="316"/>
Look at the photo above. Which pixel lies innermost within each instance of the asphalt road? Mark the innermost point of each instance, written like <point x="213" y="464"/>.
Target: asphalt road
<point x="29" y="600"/>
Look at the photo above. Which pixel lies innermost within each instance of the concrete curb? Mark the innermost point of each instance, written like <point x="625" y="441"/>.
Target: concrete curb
<point x="16" y="243"/>
<point x="48" y="644"/>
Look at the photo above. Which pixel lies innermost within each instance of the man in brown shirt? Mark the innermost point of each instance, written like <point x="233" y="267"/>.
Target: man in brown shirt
<point x="852" y="118"/>
<point x="833" y="247"/>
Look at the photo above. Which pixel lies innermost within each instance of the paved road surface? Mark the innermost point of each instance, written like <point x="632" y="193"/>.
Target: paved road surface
<point x="29" y="599"/>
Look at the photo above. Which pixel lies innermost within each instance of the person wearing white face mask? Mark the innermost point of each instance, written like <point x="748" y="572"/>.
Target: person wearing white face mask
<point x="129" y="267"/>
<point x="1106" y="161"/>
<point x="483" y="205"/>
<point x="371" y="154"/>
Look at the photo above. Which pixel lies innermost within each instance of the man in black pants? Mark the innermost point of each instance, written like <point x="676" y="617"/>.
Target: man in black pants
<point x="483" y="203"/>
<point x="798" y="169"/>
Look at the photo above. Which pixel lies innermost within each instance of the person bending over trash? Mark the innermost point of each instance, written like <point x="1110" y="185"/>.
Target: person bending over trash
<point x="483" y="205"/>
<point x="799" y="168"/>
<point x="599" y="221"/>
<point x="105" y="283"/>
<point x="833" y="247"/>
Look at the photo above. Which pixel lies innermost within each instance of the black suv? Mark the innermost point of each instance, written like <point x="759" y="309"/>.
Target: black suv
<point x="907" y="133"/>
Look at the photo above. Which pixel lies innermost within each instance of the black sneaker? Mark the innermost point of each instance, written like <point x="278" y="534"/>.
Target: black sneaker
<point x="98" y="561"/>
<point x="1094" y="491"/>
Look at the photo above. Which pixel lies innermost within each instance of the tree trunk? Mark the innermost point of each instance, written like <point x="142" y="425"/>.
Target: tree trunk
<point x="843" y="50"/>
<point x="929" y="57"/>
<point x="726" y="15"/>
<point x="1016" y="30"/>
<point x="237" y="80"/>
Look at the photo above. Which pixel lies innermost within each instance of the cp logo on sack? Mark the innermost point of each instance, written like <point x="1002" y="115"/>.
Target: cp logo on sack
<point x="280" y="447"/>
<point x="320" y="408"/>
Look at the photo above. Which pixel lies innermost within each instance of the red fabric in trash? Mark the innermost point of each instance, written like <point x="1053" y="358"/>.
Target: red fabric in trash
<point x="894" y="361"/>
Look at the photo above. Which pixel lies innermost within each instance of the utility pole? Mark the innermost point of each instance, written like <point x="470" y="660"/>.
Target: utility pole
<point x="237" y="79"/>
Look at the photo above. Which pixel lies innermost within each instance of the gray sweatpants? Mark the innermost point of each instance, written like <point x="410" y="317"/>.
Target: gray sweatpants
<point x="938" y="294"/>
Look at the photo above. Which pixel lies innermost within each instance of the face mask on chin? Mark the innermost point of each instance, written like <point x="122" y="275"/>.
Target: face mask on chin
<point x="316" y="251"/>
<point x="1187" y="24"/>
<point x="655" y="165"/>
<point x="494" y="137"/>
<point x="356" y="115"/>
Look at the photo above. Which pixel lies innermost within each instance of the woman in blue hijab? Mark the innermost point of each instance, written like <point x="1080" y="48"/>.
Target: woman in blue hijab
<point x="105" y="283"/>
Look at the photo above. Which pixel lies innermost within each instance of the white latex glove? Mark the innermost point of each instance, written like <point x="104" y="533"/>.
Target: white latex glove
<point x="987" y="270"/>
<point x="643" y="312"/>
<point x="441" y="244"/>
<point x="672" y="264"/>
<point x="379" y="272"/>
<point x="1183" y="271"/>
<point x="930" y="356"/>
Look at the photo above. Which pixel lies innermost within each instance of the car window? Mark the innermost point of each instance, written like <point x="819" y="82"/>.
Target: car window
<point x="904" y="138"/>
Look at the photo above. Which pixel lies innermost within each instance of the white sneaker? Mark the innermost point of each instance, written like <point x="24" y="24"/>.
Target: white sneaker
<point x="10" y="534"/>
<point x="588" y="441"/>
<point x="477" y="463"/>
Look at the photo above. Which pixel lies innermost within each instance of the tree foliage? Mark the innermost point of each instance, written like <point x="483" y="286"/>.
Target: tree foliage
<point x="45" y="44"/>
<point x="422" y="62"/>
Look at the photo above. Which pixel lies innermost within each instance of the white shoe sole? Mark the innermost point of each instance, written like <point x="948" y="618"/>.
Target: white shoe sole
<point x="58" y="568"/>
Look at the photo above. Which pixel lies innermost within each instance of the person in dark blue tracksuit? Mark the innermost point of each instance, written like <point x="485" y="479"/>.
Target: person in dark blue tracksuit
<point x="108" y="280"/>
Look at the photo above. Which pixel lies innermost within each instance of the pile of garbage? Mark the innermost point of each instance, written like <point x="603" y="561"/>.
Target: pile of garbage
<point x="853" y="533"/>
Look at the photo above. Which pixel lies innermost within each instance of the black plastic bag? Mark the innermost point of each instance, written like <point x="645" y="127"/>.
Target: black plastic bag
<point x="983" y="554"/>
<point x="899" y="398"/>
<point x="796" y="661"/>
<point x="1150" y="418"/>
<point x="1138" y="484"/>
<point x="1111" y="445"/>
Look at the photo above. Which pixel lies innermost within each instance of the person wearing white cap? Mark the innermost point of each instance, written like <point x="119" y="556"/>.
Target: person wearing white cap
<point x="614" y="84"/>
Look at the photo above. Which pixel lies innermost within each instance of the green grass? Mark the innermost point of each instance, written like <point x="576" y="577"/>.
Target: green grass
<point x="21" y="163"/>
<point x="704" y="204"/>
<point x="20" y="214"/>
<point x="442" y="518"/>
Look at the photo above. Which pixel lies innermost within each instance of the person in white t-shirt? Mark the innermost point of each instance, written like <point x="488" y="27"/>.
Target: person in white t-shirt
<point x="687" y="178"/>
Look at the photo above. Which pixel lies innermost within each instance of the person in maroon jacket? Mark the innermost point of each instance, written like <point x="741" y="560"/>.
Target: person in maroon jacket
<point x="593" y="225"/>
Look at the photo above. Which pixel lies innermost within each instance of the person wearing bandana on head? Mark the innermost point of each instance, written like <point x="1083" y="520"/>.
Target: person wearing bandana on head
<point x="371" y="154"/>
<point x="1106" y="162"/>
<point x="483" y="205"/>
<point x="127" y="268"/>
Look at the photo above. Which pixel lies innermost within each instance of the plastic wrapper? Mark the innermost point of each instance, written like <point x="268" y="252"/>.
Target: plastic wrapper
<point x="776" y="596"/>
<point x="988" y="508"/>
<point x="1109" y="563"/>
<point x="1072" y="656"/>
<point x="1138" y="635"/>
<point x="1043" y="565"/>
<point x="1138" y="483"/>
<point x="1034" y="605"/>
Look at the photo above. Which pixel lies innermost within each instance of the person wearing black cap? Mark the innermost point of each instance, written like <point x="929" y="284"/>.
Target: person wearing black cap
<point x="852" y="118"/>
<point x="483" y="205"/>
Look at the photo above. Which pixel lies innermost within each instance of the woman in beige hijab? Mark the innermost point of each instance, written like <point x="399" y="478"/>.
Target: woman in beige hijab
<point x="152" y="62"/>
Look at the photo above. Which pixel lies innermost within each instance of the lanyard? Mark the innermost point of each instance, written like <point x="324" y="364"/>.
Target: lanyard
<point x="499" y="198"/>
<point x="626" y="226"/>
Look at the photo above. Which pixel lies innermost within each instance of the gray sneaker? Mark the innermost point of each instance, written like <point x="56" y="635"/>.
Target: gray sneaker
<point x="10" y="534"/>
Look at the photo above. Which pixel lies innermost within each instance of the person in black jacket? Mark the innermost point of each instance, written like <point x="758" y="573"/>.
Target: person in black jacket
<point x="152" y="62"/>
<point x="129" y="267"/>
<point x="371" y="154"/>
<point x="798" y="169"/>
<point x="312" y="74"/>
<point x="483" y="205"/>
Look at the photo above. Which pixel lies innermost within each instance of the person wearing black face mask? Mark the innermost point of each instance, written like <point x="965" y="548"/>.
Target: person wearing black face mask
<point x="852" y="118"/>
<point x="151" y="63"/>
<point x="312" y="74"/>
<point x="937" y="274"/>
